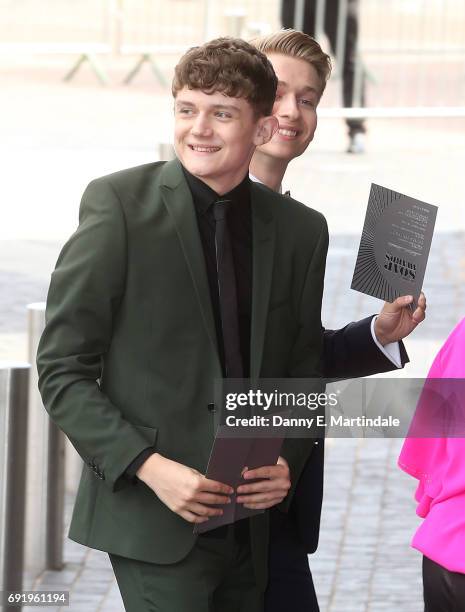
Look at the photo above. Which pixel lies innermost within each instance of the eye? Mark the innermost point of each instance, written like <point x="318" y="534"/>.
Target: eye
<point x="223" y="115"/>
<point x="308" y="103"/>
<point x="184" y="111"/>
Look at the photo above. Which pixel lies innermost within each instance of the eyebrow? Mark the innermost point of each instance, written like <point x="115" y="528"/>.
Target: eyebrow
<point x="215" y="106"/>
<point x="226" y="107"/>
<point x="305" y="89"/>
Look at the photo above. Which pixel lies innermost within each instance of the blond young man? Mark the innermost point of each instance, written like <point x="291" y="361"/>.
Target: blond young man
<point x="359" y="349"/>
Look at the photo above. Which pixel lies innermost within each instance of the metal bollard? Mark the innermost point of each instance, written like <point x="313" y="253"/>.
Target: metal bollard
<point x="13" y="435"/>
<point x="45" y="465"/>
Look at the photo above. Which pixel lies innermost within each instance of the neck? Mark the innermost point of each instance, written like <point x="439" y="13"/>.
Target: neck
<point x="269" y="170"/>
<point x="221" y="187"/>
<point x="226" y="182"/>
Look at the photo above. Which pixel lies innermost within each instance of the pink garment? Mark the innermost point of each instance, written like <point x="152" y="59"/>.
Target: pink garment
<point x="439" y="465"/>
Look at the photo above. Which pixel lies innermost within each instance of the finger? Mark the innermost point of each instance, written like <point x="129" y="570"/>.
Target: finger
<point x="420" y="312"/>
<point x="262" y="497"/>
<point x="202" y="510"/>
<point x="264" y="505"/>
<point x="262" y="486"/>
<point x="267" y="471"/>
<point x="394" y="307"/>
<point x="193" y="518"/>
<point x="213" y="486"/>
<point x="418" y="316"/>
<point x="422" y="301"/>
<point x="211" y="498"/>
<point x="401" y="302"/>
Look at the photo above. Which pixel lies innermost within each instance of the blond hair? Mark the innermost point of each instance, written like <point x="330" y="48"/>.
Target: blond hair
<point x="299" y="45"/>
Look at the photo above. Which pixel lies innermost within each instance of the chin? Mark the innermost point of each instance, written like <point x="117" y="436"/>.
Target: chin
<point x="199" y="172"/>
<point x="284" y="153"/>
<point x="194" y="167"/>
<point x="282" y="148"/>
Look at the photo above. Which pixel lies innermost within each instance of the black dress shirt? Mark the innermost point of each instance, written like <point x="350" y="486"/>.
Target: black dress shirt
<point x="239" y="222"/>
<point x="240" y="229"/>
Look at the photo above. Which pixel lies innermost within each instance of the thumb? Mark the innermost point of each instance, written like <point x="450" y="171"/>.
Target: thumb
<point x="397" y="304"/>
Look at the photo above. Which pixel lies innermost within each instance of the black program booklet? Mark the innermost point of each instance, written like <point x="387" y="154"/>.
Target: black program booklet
<point x="232" y="451"/>
<point x="395" y="245"/>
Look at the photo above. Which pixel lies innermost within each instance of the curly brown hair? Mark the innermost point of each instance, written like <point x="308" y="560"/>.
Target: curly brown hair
<point x="232" y="67"/>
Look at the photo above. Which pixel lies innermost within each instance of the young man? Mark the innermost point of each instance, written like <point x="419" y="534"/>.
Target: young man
<point x="331" y="23"/>
<point x="359" y="349"/>
<point x="137" y="331"/>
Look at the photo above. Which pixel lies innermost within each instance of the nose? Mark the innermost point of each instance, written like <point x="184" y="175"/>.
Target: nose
<point x="201" y="126"/>
<point x="288" y="107"/>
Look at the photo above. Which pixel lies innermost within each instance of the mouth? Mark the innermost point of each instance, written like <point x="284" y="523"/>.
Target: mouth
<point x="204" y="148"/>
<point x="287" y="133"/>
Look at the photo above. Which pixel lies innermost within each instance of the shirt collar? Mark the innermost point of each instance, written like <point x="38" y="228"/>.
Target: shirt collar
<point x="204" y="196"/>
<point x="257" y="180"/>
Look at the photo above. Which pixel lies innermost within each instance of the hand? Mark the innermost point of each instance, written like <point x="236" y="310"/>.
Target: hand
<point x="271" y="490"/>
<point x="396" y="320"/>
<point x="184" y="490"/>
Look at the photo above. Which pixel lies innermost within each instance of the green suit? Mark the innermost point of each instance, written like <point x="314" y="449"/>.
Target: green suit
<point x="128" y="356"/>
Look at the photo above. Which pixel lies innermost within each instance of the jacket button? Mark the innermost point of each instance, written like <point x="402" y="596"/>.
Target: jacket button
<point x="211" y="407"/>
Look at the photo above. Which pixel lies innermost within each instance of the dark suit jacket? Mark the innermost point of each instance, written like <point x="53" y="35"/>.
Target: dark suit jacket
<point x="128" y="356"/>
<point x="349" y="352"/>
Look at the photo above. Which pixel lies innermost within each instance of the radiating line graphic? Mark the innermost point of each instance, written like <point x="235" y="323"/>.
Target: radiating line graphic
<point x="367" y="276"/>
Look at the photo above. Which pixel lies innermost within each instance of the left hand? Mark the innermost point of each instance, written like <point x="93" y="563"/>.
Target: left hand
<point x="396" y="320"/>
<point x="269" y="491"/>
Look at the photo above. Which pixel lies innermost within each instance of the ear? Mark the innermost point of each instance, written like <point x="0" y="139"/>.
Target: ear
<point x="265" y="129"/>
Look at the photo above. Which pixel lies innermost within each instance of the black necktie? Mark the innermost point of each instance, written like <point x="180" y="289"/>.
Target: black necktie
<point x="227" y="292"/>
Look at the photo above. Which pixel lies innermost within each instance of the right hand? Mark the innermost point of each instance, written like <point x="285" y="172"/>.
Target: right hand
<point x="184" y="490"/>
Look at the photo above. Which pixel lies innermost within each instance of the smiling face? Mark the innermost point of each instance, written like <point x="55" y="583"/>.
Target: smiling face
<point x="215" y="136"/>
<point x="298" y="94"/>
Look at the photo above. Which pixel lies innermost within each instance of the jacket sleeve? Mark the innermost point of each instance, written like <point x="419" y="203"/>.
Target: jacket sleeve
<point x="350" y="352"/>
<point x="85" y="292"/>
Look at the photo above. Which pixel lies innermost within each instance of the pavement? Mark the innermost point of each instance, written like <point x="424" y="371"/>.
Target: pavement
<point x="56" y="137"/>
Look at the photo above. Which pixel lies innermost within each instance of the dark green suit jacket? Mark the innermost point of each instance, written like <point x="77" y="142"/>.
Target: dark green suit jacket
<point x="128" y="357"/>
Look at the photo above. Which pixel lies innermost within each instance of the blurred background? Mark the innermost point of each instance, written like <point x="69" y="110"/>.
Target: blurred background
<point x="85" y="90"/>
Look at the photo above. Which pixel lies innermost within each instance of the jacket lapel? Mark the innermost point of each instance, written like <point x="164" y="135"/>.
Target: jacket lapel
<point x="178" y="201"/>
<point x="263" y="231"/>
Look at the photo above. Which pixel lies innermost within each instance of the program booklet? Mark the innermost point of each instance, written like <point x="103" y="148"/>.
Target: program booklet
<point x="394" y="246"/>
<point x="231" y="453"/>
